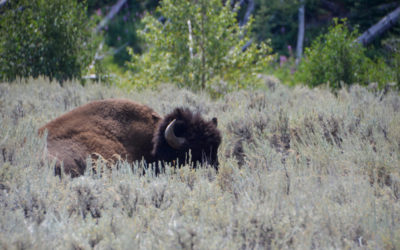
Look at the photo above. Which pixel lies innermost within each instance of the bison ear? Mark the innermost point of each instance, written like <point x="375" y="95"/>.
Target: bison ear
<point x="215" y="121"/>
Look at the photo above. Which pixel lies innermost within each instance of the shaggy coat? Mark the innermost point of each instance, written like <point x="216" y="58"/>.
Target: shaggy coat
<point x="117" y="128"/>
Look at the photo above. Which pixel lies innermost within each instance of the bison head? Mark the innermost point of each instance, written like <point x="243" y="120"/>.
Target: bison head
<point x="186" y="137"/>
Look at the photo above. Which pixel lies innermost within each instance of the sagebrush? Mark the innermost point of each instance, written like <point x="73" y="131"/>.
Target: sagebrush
<point x="299" y="169"/>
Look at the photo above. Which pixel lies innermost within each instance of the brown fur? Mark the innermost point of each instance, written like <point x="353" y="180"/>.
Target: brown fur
<point x="121" y="128"/>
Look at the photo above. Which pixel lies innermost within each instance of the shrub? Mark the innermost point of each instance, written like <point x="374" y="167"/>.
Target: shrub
<point x="321" y="176"/>
<point x="392" y="46"/>
<point x="311" y="176"/>
<point x="336" y="58"/>
<point x="198" y="45"/>
<point x="50" y="38"/>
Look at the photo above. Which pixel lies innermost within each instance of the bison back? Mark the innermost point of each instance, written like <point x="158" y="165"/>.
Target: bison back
<point x="112" y="128"/>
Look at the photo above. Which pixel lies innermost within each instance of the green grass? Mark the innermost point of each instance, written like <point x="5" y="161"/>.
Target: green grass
<point x="299" y="169"/>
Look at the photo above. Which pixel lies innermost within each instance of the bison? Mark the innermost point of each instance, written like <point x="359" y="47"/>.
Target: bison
<point x="116" y="128"/>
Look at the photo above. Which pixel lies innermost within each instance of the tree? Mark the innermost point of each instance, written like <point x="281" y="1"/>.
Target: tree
<point x="198" y="45"/>
<point x="114" y="10"/>
<point x="335" y="58"/>
<point x="277" y="20"/>
<point x="120" y="30"/>
<point x="45" y="38"/>
<point x="300" y="36"/>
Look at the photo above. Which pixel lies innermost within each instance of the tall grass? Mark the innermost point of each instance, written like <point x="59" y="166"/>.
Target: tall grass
<point x="299" y="169"/>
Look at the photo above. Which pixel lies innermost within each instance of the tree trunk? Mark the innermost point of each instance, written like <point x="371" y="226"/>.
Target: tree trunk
<point x="376" y="30"/>
<point x="202" y="47"/>
<point x="300" y="36"/>
<point x="114" y="10"/>
<point x="190" y="39"/>
<point x="249" y="11"/>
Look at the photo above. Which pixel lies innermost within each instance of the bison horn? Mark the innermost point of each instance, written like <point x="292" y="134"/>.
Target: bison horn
<point x="172" y="140"/>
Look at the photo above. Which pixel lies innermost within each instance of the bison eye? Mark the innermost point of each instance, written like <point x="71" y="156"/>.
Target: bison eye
<point x="179" y="128"/>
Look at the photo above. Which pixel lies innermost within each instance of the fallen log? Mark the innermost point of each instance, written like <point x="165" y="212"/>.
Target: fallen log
<point x="376" y="30"/>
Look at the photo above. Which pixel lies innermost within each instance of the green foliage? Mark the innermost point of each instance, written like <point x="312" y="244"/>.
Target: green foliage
<point x="52" y="38"/>
<point x="120" y="33"/>
<point x="122" y="29"/>
<point x="336" y="58"/>
<point x="200" y="46"/>
<point x="284" y="72"/>
<point x="277" y="20"/>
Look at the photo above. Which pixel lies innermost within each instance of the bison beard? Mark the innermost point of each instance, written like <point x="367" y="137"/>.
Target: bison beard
<point x="124" y="129"/>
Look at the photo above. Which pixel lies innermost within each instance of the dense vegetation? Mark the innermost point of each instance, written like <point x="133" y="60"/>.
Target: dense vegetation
<point x="45" y="38"/>
<point x="292" y="174"/>
<point x="122" y="30"/>
<point x="335" y="58"/>
<point x="276" y="20"/>
<point x="200" y="46"/>
<point x="221" y="49"/>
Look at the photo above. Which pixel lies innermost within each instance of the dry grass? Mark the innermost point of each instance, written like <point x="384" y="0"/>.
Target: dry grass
<point x="300" y="169"/>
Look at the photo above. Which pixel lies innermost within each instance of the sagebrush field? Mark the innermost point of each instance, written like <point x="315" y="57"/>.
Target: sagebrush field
<point x="299" y="169"/>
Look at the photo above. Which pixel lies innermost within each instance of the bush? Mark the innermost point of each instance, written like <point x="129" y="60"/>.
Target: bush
<point x="392" y="46"/>
<point x="201" y="53"/>
<point x="335" y="58"/>
<point x="50" y="38"/>
<point x="308" y="176"/>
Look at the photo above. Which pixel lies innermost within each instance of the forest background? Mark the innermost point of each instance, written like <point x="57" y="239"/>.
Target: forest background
<point x="144" y="43"/>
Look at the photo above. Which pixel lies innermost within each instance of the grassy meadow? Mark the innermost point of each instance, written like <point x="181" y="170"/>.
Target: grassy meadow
<point x="299" y="168"/>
